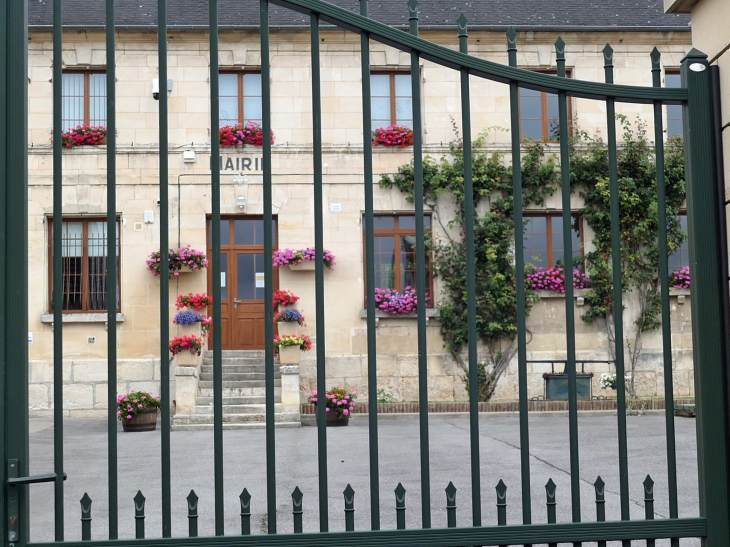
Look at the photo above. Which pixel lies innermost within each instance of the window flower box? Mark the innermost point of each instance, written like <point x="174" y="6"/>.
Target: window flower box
<point x="303" y="267"/>
<point x="302" y="259"/>
<point x="240" y="135"/>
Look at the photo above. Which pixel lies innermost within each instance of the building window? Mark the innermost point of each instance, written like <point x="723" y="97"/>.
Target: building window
<point x="543" y="241"/>
<point x="680" y="257"/>
<point x="240" y="98"/>
<point x="539" y="115"/>
<point x="391" y="99"/>
<point x="395" y="253"/>
<point x="84" y="98"/>
<point x="674" y="111"/>
<point x="83" y="265"/>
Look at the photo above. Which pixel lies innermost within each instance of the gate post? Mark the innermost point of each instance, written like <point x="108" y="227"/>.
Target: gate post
<point x="710" y="355"/>
<point x="14" y="256"/>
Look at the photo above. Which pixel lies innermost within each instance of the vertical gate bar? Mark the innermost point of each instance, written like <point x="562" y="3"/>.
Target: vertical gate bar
<point x="520" y="282"/>
<point x="618" y="307"/>
<point x="501" y="504"/>
<point x="112" y="267"/>
<point x="471" y="291"/>
<point x="164" y="276"/>
<point x="215" y="193"/>
<point x="451" y="505"/>
<point x="57" y="302"/>
<point x="268" y="269"/>
<point x="400" y="507"/>
<point x="297" y="512"/>
<point x="370" y="275"/>
<point x="569" y="303"/>
<point x="600" y="488"/>
<point x="85" y="517"/>
<point x="245" y="499"/>
<point x="14" y="249"/>
<point x="709" y="352"/>
<point x="649" y="504"/>
<point x="664" y="287"/>
<point x="349" y="494"/>
<point x="551" y="505"/>
<point x="319" y="274"/>
<point x="139" y="500"/>
<point x="192" y="514"/>
<point x="420" y="273"/>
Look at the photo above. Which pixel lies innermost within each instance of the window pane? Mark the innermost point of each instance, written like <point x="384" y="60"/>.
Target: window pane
<point x="407" y="222"/>
<point x="228" y="111"/>
<point x="535" y="241"/>
<point x="403" y="85"/>
<point x="680" y="257"/>
<point x="97" y="99"/>
<point x="73" y="99"/>
<point x="228" y="85"/>
<point x="384" y="223"/>
<point x="252" y="110"/>
<point x="674" y="112"/>
<point x="532" y="129"/>
<point x="385" y="262"/>
<point x="404" y="111"/>
<point x="408" y="263"/>
<point x="380" y="85"/>
<point x="559" y="248"/>
<point x="553" y="117"/>
<point x="531" y="108"/>
<point x="251" y="85"/>
<point x="248" y="266"/>
<point x="380" y="108"/>
<point x="225" y="232"/>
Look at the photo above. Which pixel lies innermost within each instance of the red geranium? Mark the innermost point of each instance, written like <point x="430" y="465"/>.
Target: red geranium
<point x="394" y="135"/>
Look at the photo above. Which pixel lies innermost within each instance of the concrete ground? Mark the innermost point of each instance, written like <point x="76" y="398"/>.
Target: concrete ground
<point x="296" y="459"/>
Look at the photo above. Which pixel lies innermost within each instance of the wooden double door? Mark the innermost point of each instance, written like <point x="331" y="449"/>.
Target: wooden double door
<point x="242" y="281"/>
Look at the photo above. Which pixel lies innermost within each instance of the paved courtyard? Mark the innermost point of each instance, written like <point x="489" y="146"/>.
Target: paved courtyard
<point x="296" y="457"/>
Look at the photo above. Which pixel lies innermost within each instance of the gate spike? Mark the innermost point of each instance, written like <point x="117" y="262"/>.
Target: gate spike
<point x="349" y="494"/>
<point x="608" y="55"/>
<point x="501" y="489"/>
<point x="600" y="488"/>
<point x="400" y="506"/>
<point x="192" y="514"/>
<point x="297" y="512"/>
<point x="560" y="56"/>
<point x="413" y="9"/>
<point x="512" y="46"/>
<point x="462" y="23"/>
<point x="649" y="504"/>
<point x="86" y="517"/>
<point x="656" y="67"/>
<point x="451" y="505"/>
<point x="245" y="499"/>
<point x="139" y="501"/>
<point x="550" y="488"/>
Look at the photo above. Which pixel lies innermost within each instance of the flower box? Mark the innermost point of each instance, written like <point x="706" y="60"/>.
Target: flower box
<point x="187" y="359"/>
<point x="287" y="328"/>
<point x="307" y="266"/>
<point x="196" y="329"/>
<point x="289" y="355"/>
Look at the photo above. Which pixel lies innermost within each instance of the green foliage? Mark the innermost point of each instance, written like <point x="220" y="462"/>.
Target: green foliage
<point x="386" y="397"/>
<point x="494" y="233"/>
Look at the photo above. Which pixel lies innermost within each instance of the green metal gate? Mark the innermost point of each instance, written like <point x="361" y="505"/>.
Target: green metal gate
<point x="707" y="310"/>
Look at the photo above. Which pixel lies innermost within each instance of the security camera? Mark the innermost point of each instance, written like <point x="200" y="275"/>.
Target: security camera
<point x="156" y="88"/>
<point x="158" y="202"/>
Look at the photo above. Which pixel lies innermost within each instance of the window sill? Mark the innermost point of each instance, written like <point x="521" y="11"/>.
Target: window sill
<point x="431" y="313"/>
<point x="681" y="295"/>
<point x="577" y="293"/>
<point x="81" y="318"/>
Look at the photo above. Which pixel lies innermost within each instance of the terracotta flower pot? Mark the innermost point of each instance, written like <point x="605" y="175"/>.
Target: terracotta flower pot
<point x="287" y="328"/>
<point x="145" y="420"/>
<point x="289" y="355"/>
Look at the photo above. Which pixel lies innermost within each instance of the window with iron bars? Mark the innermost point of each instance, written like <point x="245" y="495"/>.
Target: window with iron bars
<point x="83" y="265"/>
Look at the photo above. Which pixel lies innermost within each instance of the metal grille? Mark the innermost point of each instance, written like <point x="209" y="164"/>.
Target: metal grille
<point x="709" y="347"/>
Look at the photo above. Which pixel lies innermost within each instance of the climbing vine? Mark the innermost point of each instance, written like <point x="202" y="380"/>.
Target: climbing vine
<point x="494" y="235"/>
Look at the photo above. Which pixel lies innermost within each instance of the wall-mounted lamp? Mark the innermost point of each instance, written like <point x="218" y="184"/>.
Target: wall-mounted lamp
<point x="241" y="202"/>
<point x="156" y="88"/>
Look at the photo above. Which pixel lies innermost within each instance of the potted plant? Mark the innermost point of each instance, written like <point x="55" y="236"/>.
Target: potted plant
<point x="189" y="321"/>
<point x="138" y="411"/>
<point x="284" y="299"/>
<point x="288" y="347"/>
<point x="553" y="279"/>
<point x="195" y="302"/>
<point x="83" y="135"/>
<point x="191" y="260"/>
<point x="301" y="259"/>
<point x="187" y="349"/>
<point x="240" y="135"/>
<point x="340" y="403"/>
<point x="394" y="135"/>
<point x="396" y="302"/>
<point x="287" y="321"/>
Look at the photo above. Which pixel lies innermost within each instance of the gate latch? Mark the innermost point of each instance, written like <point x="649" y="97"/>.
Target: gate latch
<point x="13" y="482"/>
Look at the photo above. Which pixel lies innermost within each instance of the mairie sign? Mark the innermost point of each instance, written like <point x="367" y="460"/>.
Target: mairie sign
<point x="241" y="163"/>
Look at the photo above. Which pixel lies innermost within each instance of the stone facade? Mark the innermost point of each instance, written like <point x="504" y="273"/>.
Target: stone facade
<point x="84" y="179"/>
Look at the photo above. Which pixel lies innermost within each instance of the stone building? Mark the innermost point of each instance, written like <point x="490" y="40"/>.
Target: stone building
<point x="632" y="28"/>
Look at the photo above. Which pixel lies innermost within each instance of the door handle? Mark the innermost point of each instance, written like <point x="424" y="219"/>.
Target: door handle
<point x="236" y="302"/>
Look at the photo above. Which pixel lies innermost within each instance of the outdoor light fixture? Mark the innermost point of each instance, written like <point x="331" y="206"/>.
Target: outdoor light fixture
<point x="241" y="202"/>
<point x="156" y="88"/>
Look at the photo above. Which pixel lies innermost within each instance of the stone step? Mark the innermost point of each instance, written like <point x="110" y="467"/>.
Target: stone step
<point x="237" y="391"/>
<point x="236" y="409"/>
<point x="239" y="353"/>
<point x="227" y="426"/>
<point x="236" y="418"/>
<point x="226" y="361"/>
<point x="234" y="376"/>
<point x="228" y="401"/>
<point x="238" y="368"/>
<point x="208" y="384"/>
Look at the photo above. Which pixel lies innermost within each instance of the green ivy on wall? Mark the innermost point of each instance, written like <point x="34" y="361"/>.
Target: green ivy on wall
<point x="494" y="235"/>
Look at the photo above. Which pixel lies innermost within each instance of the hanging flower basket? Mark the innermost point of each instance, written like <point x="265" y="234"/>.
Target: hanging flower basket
<point x="240" y="135"/>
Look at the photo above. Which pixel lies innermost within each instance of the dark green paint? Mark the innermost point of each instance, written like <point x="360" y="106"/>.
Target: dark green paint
<point x="245" y="499"/>
<point x="139" y="501"/>
<point x="86" y="518"/>
<point x="192" y="514"/>
<point x="349" y="494"/>
<point x="600" y="488"/>
<point x="400" y="507"/>
<point x="297" y="511"/>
